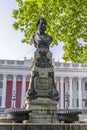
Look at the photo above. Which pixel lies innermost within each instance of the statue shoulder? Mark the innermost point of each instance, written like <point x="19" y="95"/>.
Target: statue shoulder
<point x="50" y="37"/>
<point x="33" y="37"/>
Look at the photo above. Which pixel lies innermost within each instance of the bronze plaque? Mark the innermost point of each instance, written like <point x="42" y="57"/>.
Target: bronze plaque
<point x="43" y="84"/>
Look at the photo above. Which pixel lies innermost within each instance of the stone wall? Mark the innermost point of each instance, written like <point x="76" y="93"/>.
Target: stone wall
<point x="12" y="126"/>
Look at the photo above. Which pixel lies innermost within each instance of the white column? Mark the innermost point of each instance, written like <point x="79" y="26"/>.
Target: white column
<point x="66" y="84"/>
<point x="61" y="93"/>
<point x="14" y="90"/>
<point x="4" y="90"/>
<point x="70" y="93"/>
<point x="80" y="93"/>
<point x="57" y="87"/>
<point x="23" y="91"/>
<point x="14" y="83"/>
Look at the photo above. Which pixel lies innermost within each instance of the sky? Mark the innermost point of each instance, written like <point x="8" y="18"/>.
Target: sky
<point x="11" y="47"/>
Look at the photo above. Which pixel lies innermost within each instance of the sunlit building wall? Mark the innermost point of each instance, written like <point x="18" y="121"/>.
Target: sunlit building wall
<point x="70" y="81"/>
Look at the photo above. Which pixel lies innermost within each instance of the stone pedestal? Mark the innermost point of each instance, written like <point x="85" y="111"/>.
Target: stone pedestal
<point x="42" y="96"/>
<point x="42" y="78"/>
<point x="43" y="111"/>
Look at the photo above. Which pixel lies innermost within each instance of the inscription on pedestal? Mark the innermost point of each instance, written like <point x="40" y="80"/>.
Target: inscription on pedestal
<point x="43" y="84"/>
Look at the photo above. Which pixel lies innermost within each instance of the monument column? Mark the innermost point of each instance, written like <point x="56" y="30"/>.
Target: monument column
<point x="23" y="90"/>
<point x="42" y="96"/>
<point x="4" y="90"/>
<point x="80" y="93"/>
<point x="70" y="92"/>
<point x="62" y="93"/>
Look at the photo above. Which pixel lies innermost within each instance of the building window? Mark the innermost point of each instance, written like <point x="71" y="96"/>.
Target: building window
<point x="10" y="62"/>
<point x="0" y="101"/>
<point x="0" y="84"/>
<point x="77" y="85"/>
<point x="77" y="102"/>
<point x="2" y="61"/>
<point x="85" y="86"/>
<point x="85" y="102"/>
<point x="20" y="62"/>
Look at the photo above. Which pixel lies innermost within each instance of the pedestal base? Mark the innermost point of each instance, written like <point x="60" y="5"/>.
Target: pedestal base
<point x="43" y="111"/>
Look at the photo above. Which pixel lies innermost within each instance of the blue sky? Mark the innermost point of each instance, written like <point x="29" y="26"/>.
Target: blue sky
<point x="10" y="40"/>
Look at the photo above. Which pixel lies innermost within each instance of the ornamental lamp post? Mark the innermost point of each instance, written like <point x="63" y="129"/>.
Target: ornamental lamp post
<point x="13" y="99"/>
<point x="67" y="100"/>
<point x="67" y="96"/>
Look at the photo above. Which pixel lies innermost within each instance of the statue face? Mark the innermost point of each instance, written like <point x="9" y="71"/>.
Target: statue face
<point x="42" y="25"/>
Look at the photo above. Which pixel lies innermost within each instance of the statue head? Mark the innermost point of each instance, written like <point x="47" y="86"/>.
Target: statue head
<point x="41" y="25"/>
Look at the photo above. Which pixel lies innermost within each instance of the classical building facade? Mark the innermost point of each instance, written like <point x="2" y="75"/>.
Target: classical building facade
<point x="70" y="80"/>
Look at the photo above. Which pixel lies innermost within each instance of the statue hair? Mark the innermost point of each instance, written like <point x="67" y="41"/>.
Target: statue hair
<point x="38" y="21"/>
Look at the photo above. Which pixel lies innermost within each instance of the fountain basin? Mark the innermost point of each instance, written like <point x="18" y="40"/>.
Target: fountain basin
<point x="68" y="116"/>
<point x="18" y="115"/>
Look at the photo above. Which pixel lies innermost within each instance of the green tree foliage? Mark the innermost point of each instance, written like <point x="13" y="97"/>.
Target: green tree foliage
<point x="67" y="22"/>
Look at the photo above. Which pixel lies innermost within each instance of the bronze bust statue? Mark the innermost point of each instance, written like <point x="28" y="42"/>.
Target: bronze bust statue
<point x="40" y="39"/>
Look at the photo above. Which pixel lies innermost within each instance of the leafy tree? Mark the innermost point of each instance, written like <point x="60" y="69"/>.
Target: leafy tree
<point x="67" y="22"/>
